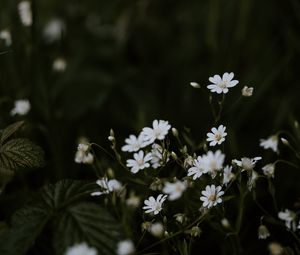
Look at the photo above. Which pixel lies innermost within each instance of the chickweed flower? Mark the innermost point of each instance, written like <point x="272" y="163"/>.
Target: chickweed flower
<point x="221" y="85"/>
<point x="159" y="130"/>
<point x="21" y="107"/>
<point x="139" y="162"/>
<point x="213" y="162"/>
<point x="157" y="155"/>
<point x="80" y="249"/>
<point x="263" y="232"/>
<point x="153" y="205"/>
<point x="211" y="196"/>
<point x="6" y="37"/>
<point x="107" y="186"/>
<point x="174" y="190"/>
<point x="270" y="143"/>
<point x="289" y="217"/>
<point x="125" y="247"/>
<point x="197" y="169"/>
<point x="25" y="13"/>
<point x="247" y="91"/>
<point x="268" y="170"/>
<point x="217" y="135"/>
<point x="247" y="164"/>
<point x="133" y="143"/>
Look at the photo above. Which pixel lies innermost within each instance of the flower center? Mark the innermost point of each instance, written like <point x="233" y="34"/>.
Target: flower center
<point x="212" y="197"/>
<point x="218" y="136"/>
<point x="223" y="85"/>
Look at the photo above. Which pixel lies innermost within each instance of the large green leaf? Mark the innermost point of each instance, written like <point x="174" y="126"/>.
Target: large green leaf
<point x="64" y="208"/>
<point x="20" y="153"/>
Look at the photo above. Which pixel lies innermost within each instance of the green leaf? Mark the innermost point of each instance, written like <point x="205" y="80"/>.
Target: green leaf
<point x="20" y="153"/>
<point x="10" y="130"/>
<point x="63" y="208"/>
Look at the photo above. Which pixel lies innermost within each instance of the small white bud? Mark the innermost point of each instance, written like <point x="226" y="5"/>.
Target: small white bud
<point x="175" y="132"/>
<point x="225" y="223"/>
<point x="195" y="85"/>
<point x="263" y="232"/>
<point x="285" y="141"/>
<point x="247" y="91"/>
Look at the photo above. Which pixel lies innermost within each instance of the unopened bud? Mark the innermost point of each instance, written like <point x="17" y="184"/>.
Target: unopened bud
<point x="175" y="132"/>
<point x="247" y="91"/>
<point x="284" y="141"/>
<point x="195" y="85"/>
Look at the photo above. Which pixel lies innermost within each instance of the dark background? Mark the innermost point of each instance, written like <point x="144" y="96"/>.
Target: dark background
<point x="130" y="62"/>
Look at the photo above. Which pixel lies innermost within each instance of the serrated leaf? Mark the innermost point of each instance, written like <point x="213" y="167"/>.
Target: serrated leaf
<point x="63" y="207"/>
<point x="87" y="222"/>
<point x="20" y="153"/>
<point x="10" y="130"/>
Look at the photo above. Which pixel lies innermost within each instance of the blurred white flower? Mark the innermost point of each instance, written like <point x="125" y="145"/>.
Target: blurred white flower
<point x="25" y="13"/>
<point x="125" y="247"/>
<point x="81" y="249"/>
<point x="225" y="223"/>
<point x="174" y="190"/>
<point x="107" y="186"/>
<point x="21" y="107"/>
<point x="252" y="179"/>
<point x="133" y="143"/>
<point x="153" y="205"/>
<point x="217" y="135"/>
<point x="83" y="154"/>
<point x="197" y="169"/>
<point x="211" y="196"/>
<point x="6" y="37"/>
<point x="247" y="91"/>
<point x="289" y="217"/>
<point x="159" y="130"/>
<point x="213" y="162"/>
<point x="221" y="85"/>
<point x="275" y="249"/>
<point x="53" y="30"/>
<point x="59" y="65"/>
<point x="268" y="170"/>
<point x="270" y="143"/>
<point x="156" y="229"/>
<point x="139" y="162"/>
<point x="263" y="232"/>
<point x="247" y="164"/>
<point x="133" y="201"/>
<point x="227" y="175"/>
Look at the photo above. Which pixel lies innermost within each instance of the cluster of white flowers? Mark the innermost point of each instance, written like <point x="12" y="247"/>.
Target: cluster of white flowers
<point x="21" y="107"/>
<point x="25" y="13"/>
<point x="142" y="159"/>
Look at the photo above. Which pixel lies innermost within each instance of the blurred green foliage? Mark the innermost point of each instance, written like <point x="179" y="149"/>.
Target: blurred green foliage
<point x="129" y="62"/>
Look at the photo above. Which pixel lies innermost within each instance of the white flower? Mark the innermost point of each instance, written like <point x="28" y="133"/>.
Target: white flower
<point x="247" y="91"/>
<point x="154" y="205"/>
<point x="174" y="190"/>
<point x="157" y="154"/>
<point x="107" y="186"/>
<point x="263" y="232"/>
<point x="270" y="143"/>
<point x="268" y="170"/>
<point x="159" y="130"/>
<point x="156" y="229"/>
<point x="197" y="169"/>
<point x="213" y="162"/>
<point x="247" y="164"/>
<point x="217" y="136"/>
<point x="125" y="247"/>
<point x="59" y="65"/>
<point x="289" y="217"/>
<point x="6" y="37"/>
<point x="211" y="196"/>
<point x="133" y="143"/>
<point x="139" y="162"/>
<point x="221" y="85"/>
<point x="81" y="249"/>
<point x="133" y="201"/>
<point x="227" y="175"/>
<point x="21" y="107"/>
<point x="53" y="30"/>
<point x="275" y="249"/>
<point x="25" y="13"/>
